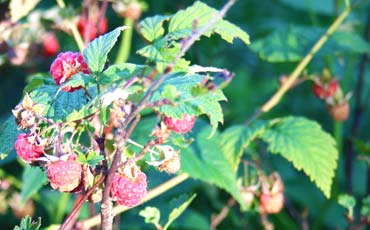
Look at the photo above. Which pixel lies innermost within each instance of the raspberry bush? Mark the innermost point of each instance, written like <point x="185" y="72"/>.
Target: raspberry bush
<point x="101" y="130"/>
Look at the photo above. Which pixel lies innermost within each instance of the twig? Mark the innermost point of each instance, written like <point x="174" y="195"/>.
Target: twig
<point x="101" y="144"/>
<point x="216" y="220"/>
<point x="96" y="220"/>
<point x="265" y="222"/>
<point x="121" y="140"/>
<point x="274" y="100"/>
<point x="69" y="222"/>
<point x="146" y="148"/>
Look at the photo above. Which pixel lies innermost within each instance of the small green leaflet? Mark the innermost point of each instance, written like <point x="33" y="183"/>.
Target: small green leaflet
<point x="307" y="146"/>
<point x="176" y="212"/>
<point x="186" y="102"/>
<point x="28" y="224"/>
<point x="119" y="72"/>
<point x="96" y="53"/>
<point x="347" y="201"/>
<point x="92" y="158"/>
<point x="80" y="79"/>
<point x="152" y="27"/>
<point x="37" y="80"/>
<point x="163" y="51"/>
<point x="151" y="215"/>
<point x="236" y="139"/>
<point x="185" y="22"/>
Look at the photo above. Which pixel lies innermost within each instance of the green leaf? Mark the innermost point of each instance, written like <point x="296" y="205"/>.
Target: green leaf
<point x="162" y="52"/>
<point x="204" y="160"/>
<point x="294" y="42"/>
<point x="185" y="22"/>
<point x="104" y="115"/>
<point x="122" y="71"/>
<point x="236" y="139"/>
<point x="79" y="79"/>
<point x="229" y="32"/>
<point x="182" y="25"/>
<point x="307" y="146"/>
<point x="175" y="213"/>
<point x="151" y="215"/>
<point x="58" y="105"/>
<point x="186" y="102"/>
<point x="93" y="159"/>
<point x="8" y="136"/>
<point x="33" y="179"/>
<point x="96" y="53"/>
<point x="347" y="201"/>
<point x="37" y="80"/>
<point x="152" y="27"/>
<point x="28" y="224"/>
<point x="169" y="92"/>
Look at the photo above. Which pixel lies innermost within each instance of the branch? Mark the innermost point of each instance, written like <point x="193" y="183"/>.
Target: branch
<point x="69" y="222"/>
<point x="216" y="220"/>
<point x="106" y="203"/>
<point x="96" y="220"/>
<point x="274" y="100"/>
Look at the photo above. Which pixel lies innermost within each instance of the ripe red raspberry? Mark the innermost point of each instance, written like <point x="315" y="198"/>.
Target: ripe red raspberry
<point x="183" y="125"/>
<point x="65" y="66"/>
<point x="94" y="27"/>
<point x="271" y="202"/>
<point x="65" y="175"/>
<point x="28" y="149"/>
<point x="324" y="91"/>
<point x="50" y="45"/>
<point x="129" y="191"/>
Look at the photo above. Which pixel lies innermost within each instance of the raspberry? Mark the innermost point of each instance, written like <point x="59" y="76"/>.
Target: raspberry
<point x="65" y="176"/>
<point x="129" y="191"/>
<point x="94" y="27"/>
<point x="247" y="196"/>
<point x="324" y="91"/>
<point x="172" y="165"/>
<point x="339" y="112"/>
<point x="50" y="45"/>
<point x="183" y="125"/>
<point x="271" y="202"/>
<point x="131" y="10"/>
<point x="27" y="149"/>
<point x="65" y="66"/>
